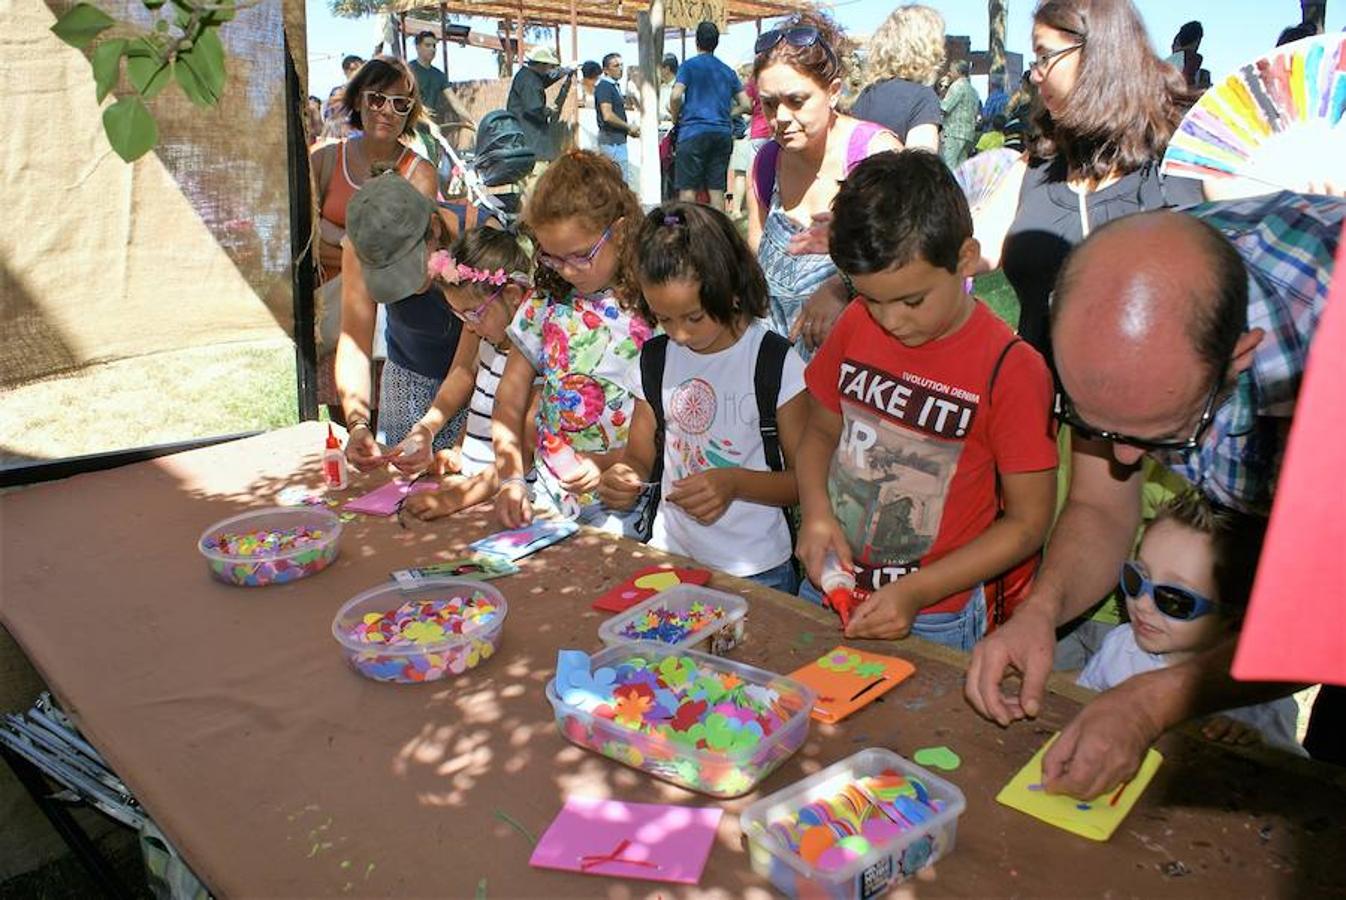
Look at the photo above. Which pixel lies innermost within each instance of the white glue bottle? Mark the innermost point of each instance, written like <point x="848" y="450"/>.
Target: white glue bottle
<point x="334" y="463"/>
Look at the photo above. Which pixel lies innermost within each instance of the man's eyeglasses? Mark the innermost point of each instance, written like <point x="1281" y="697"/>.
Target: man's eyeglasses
<point x="580" y="261"/>
<point x="401" y="104"/>
<point x="1066" y="415"/>
<point x="1172" y="600"/>
<point x="1043" y="61"/>
<point x="799" y="36"/>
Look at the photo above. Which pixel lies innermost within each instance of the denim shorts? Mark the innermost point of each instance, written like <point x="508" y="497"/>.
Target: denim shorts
<point x="781" y="578"/>
<point x="960" y="630"/>
<point x="701" y="162"/>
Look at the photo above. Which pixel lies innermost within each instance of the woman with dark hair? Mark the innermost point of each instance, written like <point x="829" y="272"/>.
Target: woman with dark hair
<point x="798" y="73"/>
<point x="383" y="107"/>
<point x="1108" y="108"/>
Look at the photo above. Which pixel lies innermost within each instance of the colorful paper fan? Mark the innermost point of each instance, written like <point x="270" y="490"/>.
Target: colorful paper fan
<point x="1277" y="121"/>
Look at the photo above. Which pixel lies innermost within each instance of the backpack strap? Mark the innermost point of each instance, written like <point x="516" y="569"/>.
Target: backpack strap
<point x="767" y="375"/>
<point x="998" y="602"/>
<point x="764" y="172"/>
<point x="653" y="355"/>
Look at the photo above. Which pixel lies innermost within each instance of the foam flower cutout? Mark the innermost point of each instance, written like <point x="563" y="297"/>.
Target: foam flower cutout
<point x="676" y="670"/>
<point x="869" y="669"/>
<point x="763" y="696"/>
<point x="688" y="714"/>
<point x="631" y="708"/>
<point x="839" y="661"/>
<point x="728" y="736"/>
<point x="581" y="689"/>
<point x="708" y="688"/>
<point x="423" y="632"/>
<point x="729" y="681"/>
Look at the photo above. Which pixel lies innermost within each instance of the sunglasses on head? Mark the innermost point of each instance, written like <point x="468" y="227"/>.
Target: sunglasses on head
<point x="1172" y="600"/>
<point x="401" y="104"/>
<point x="798" y="36"/>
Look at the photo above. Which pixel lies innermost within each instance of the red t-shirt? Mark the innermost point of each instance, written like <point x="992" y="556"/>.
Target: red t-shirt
<point x="758" y="127"/>
<point x="913" y="477"/>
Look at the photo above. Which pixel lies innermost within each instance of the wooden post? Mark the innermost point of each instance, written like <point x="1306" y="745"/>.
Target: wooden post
<point x="683" y="35"/>
<point x="444" y="36"/>
<point x="508" y="48"/>
<point x="649" y="25"/>
<point x="575" y="58"/>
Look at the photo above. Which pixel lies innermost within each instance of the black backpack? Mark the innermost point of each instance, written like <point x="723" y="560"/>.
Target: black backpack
<point x="766" y="380"/>
<point x="503" y="154"/>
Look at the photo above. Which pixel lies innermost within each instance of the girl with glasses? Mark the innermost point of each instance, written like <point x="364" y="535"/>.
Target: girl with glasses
<point x="799" y="75"/>
<point x="484" y="278"/>
<point x="578" y="334"/>
<point x="380" y="107"/>
<point x="1185" y="592"/>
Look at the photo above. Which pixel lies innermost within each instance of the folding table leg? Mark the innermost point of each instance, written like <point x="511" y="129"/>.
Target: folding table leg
<point x="70" y="831"/>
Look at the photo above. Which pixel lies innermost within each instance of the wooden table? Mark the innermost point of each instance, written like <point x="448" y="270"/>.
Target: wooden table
<point x="278" y="771"/>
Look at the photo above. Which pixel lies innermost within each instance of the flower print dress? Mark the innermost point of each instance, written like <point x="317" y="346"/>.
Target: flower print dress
<point x="584" y="348"/>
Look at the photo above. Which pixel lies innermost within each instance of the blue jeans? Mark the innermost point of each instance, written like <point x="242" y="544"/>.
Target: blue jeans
<point x="960" y="630"/>
<point x="782" y="578"/>
<point x="546" y="498"/>
<point x="617" y="153"/>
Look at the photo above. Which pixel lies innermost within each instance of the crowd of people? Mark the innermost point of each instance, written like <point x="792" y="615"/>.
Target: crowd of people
<point x="596" y="364"/>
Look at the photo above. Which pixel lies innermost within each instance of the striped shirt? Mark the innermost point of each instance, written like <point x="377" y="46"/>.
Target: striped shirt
<point x="1288" y="242"/>
<point x="478" y="452"/>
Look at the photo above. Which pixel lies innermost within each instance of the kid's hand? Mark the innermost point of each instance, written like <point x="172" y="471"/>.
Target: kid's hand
<point x="362" y="451"/>
<point x="706" y="495"/>
<point x="585" y="478"/>
<point x="816" y="537"/>
<point x="414" y="453"/>
<point x="812" y="239"/>
<point x="448" y="462"/>
<point x="887" y="614"/>
<point x="512" y="506"/>
<point x="1224" y="730"/>
<point x="620" y="487"/>
<point x="428" y="505"/>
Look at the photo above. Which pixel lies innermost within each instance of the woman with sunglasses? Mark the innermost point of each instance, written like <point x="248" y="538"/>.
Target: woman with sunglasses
<point x="382" y="107"/>
<point x="799" y="74"/>
<point x="1184" y="592"/>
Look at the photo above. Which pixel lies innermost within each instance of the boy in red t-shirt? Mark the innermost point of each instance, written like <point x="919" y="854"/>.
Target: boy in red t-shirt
<point x="920" y="398"/>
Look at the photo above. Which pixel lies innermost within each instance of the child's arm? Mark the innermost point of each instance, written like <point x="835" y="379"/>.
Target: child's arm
<point x="706" y="495"/>
<point x="819" y="530"/>
<point x="460" y="494"/>
<point x="1030" y="501"/>
<point x="507" y="425"/>
<point x="623" y="480"/>
<point x="415" y="453"/>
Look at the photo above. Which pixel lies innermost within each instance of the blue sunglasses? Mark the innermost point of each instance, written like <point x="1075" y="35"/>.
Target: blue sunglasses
<point x="1172" y="600"/>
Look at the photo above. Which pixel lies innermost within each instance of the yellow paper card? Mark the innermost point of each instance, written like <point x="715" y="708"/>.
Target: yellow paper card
<point x="1094" y="819"/>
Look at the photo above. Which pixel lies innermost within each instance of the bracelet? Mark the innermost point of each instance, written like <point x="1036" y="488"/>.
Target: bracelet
<point x="359" y="423"/>
<point x="516" y="479"/>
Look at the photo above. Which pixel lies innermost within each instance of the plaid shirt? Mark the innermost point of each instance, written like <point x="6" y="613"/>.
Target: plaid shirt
<point x="1289" y="242"/>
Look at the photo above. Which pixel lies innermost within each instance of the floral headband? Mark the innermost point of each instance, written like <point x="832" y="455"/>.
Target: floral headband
<point x="443" y="266"/>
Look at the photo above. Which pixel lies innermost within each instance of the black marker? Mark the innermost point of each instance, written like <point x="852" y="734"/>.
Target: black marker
<point x="867" y="688"/>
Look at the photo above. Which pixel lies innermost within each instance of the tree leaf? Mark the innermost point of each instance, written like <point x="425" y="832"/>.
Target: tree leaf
<point x="107" y="59"/>
<point x="131" y="130"/>
<point x="81" y="24"/>
<point x="148" y="73"/>
<point x="225" y="14"/>
<point x="205" y="58"/>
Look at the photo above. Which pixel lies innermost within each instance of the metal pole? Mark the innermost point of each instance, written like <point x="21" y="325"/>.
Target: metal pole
<point x="444" y="37"/>
<point x="301" y="246"/>
<point x="574" y="58"/>
<point x="649" y="25"/>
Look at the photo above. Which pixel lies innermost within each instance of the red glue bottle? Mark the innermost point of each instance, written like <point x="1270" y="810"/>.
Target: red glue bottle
<point x="334" y="463"/>
<point x="838" y="586"/>
<point x="559" y="456"/>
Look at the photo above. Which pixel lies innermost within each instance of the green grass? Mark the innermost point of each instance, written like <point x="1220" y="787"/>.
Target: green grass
<point x="166" y="397"/>
<point x="994" y="288"/>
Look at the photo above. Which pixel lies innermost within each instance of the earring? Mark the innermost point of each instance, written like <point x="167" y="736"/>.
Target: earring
<point x="967" y="284"/>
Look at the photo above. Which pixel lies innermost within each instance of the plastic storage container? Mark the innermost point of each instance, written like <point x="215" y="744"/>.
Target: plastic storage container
<point x="871" y="874"/>
<point x="430" y="660"/>
<point x="238" y="553"/>
<point x="716" y="637"/>
<point x="717" y="773"/>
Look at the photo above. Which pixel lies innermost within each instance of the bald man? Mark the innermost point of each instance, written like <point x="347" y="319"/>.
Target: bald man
<point x="1181" y="335"/>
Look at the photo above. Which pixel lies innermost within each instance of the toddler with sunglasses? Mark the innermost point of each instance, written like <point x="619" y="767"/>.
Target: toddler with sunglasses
<point x="1184" y="592"/>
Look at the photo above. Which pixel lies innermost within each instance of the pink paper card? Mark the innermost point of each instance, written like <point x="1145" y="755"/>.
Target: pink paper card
<point x="383" y="501"/>
<point x="649" y="841"/>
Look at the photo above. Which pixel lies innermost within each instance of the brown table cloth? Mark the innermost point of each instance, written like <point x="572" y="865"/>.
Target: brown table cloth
<point x="280" y="772"/>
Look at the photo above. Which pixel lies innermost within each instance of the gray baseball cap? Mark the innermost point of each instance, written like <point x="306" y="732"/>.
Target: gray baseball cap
<point x="386" y="221"/>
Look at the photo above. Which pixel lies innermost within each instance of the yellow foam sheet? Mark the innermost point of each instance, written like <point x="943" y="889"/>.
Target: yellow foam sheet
<point x="1094" y="819"/>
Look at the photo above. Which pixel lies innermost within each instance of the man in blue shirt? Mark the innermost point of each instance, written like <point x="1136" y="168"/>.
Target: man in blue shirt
<point x="705" y="97"/>
<point x="613" y="129"/>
